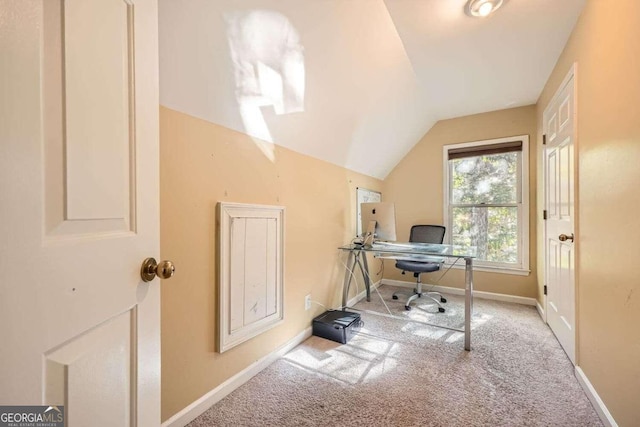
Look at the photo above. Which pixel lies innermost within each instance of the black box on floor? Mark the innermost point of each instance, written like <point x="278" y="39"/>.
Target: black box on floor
<point x="337" y="325"/>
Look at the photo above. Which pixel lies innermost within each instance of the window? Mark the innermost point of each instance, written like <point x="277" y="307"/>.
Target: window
<point x="486" y="201"/>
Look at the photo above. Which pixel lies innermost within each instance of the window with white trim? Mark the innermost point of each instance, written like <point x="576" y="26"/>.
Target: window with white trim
<point x="486" y="200"/>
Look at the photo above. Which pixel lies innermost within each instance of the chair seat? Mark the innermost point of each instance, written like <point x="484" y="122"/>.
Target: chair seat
<point x="417" y="267"/>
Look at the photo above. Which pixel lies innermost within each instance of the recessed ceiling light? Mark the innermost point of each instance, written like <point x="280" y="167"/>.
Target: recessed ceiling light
<point x="481" y="8"/>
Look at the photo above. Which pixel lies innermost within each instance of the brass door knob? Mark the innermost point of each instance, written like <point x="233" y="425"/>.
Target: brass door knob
<point x="564" y="237"/>
<point x="150" y="269"/>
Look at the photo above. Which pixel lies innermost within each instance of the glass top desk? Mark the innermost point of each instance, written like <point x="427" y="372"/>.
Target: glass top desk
<point x="415" y="252"/>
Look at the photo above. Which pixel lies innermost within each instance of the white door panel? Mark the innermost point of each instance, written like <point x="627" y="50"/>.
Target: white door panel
<point x="559" y="126"/>
<point x="98" y="48"/>
<point x="79" y="189"/>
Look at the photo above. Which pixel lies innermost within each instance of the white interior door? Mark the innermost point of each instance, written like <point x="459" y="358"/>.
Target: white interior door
<point x="79" y="209"/>
<point x="559" y="128"/>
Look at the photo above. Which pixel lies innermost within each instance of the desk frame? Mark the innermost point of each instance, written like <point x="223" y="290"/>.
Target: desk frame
<point x="358" y="257"/>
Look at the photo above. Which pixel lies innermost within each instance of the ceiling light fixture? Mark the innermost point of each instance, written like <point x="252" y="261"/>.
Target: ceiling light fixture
<point x="482" y="8"/>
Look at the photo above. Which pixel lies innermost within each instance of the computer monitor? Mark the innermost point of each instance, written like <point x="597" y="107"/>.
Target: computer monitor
<point x="384" y="215"/>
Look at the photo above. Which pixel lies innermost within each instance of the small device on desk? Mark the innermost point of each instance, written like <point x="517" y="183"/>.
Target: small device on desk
<point x="369" y="235"/>
<point x="337" y="325"/>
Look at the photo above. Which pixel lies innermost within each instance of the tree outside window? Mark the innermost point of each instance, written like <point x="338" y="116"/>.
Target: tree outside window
<point x="484" y="200"/>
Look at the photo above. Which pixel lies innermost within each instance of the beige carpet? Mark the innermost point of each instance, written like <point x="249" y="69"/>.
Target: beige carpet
<point x="404" y="373"/>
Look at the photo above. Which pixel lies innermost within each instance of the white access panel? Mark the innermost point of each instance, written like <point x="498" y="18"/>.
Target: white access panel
<point x="251" y="279"/>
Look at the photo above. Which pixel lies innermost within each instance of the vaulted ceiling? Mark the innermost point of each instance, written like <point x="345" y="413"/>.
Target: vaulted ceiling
<point x="354" y="82"/>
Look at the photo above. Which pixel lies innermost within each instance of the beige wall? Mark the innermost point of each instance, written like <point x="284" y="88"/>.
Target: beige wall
<point x="605" y="44"/>
<point x="201" y="164"/>
<point x="415" y="186"/>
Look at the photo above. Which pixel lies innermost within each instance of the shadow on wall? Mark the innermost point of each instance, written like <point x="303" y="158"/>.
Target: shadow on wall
<point x="268" y="63"/>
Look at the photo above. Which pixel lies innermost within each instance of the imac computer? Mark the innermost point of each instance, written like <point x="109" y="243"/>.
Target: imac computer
<point x="378" y="222"/>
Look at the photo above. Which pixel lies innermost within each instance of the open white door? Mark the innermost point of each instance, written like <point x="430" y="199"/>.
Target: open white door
<point x="559" y="130"/>
<point x="79" y="209"/>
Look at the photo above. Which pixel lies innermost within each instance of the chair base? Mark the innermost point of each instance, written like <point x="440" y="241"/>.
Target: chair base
<point x="417" y="293"/>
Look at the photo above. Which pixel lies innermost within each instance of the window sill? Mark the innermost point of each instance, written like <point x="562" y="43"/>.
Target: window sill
<point x="504" y="270"/>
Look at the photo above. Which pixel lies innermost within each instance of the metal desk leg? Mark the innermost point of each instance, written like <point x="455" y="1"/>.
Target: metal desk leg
<point x="468" y="301"/>
<point x="347" y="276"/>
<point x="365" y="274"/>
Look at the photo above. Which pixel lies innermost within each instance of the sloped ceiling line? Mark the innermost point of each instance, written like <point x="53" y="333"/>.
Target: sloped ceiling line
<point x="353" y="83"/>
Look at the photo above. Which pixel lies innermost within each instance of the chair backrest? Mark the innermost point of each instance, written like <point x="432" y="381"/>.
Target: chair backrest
<point x="427" y="234"/>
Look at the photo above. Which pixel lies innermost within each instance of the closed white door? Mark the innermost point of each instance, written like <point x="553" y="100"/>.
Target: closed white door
<point x="559" y="129"/>
<point x="79" y="209"/>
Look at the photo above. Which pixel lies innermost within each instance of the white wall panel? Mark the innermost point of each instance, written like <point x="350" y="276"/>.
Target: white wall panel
<point x="251" y="279"/>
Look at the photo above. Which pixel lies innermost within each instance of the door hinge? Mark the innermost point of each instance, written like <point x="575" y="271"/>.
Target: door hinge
<point x="545" y="289"/>
<point x="544" y="139"/>
<point x="544" y="214"/>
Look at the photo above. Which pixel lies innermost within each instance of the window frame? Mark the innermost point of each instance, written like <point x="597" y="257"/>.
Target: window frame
<point x="522" y="267"/>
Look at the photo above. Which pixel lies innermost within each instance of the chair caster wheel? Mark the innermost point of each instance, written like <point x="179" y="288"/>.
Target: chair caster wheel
<point x="443" y="299"/>
<point x="394" y="296"/>
<point x="441" y="309"/>
<point x="407" y="307"/>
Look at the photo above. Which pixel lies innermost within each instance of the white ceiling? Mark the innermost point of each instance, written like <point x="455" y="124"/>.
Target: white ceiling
<point x="354" y="82"/>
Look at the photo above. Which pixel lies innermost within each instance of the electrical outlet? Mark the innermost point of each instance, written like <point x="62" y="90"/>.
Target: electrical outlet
<point x="307" y="302"/>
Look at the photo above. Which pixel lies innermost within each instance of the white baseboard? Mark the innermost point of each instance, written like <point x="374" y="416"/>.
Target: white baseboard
<point x="198" y="407"/>
<point x="362" y="295"/>
<point x="459" y="291"/>
<point x="541" y="312"/>
<point x="598" y="404"/>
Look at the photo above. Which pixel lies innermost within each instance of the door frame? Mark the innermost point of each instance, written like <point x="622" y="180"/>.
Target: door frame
<point x="571" y="73"/>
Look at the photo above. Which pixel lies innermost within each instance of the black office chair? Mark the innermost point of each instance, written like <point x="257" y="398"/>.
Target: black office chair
<point x="422" y="234"/>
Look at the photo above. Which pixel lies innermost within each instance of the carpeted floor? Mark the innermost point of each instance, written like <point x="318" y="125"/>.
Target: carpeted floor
<point x="405" y="373"/>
